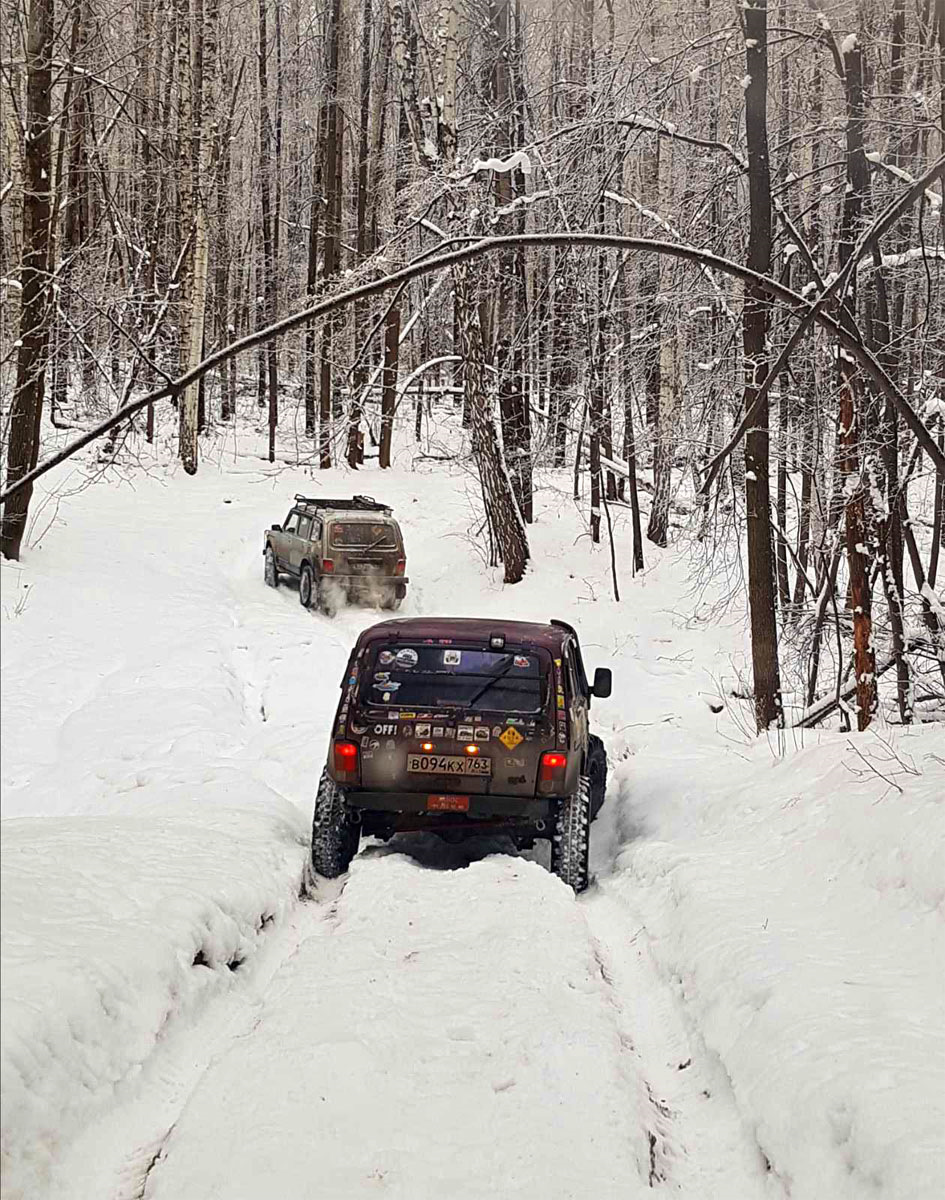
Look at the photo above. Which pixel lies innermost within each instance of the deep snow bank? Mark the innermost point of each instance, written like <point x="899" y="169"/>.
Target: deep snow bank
<point x="111" y="927"/>
<point x="798" y="907"/>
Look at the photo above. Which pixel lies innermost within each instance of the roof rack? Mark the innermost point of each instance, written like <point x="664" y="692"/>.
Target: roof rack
<point x="354" y="504"/>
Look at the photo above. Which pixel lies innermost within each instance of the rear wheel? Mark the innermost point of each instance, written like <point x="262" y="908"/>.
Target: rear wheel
<point x="596" y="770"/>
<point x="270" y="571"/>
<point x="335" y="838"/>
<point x="390" y="600"/>
<point x="569" y="842"/>
<point x="306" y="586"/>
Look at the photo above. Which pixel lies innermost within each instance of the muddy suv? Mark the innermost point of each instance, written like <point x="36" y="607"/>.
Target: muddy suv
<point x="460" y="727"/>
<point x="338" y="550"/>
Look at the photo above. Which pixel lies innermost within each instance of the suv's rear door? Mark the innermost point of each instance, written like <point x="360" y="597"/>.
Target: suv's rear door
<point x="409" y="735"/>
<point x="300" y="543"/>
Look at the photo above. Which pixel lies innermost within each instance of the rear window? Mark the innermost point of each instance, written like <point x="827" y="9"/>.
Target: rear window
<point x="422" y="677"/>
<point x="363" y="535"/>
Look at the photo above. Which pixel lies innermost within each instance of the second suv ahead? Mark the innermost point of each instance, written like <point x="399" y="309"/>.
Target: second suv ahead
<point x="338" y="549"/>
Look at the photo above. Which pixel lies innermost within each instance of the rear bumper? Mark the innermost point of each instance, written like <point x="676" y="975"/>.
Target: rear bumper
<point x="367" y="582"/>
<point x="517" y="810"/>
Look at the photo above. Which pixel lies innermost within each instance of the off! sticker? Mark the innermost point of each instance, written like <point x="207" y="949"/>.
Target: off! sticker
<point x="510" y="738"/>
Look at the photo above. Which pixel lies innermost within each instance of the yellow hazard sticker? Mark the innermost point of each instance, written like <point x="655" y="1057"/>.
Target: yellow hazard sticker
<point x="510" y="738"/>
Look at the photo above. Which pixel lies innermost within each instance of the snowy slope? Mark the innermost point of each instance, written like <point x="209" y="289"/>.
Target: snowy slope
<point x="747" y="1004"/>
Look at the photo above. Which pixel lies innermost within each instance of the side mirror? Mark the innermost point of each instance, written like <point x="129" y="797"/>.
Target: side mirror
<point x="602" y="683"/>
<point x="276" y="528"/>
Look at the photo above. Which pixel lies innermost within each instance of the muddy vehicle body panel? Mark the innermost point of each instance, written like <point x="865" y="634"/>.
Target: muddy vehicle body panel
<point x="462" y="725"/>
<point x="352" y="548"/>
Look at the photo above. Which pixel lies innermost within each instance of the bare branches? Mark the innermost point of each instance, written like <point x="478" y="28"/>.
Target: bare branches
<point x="690" y="254"/>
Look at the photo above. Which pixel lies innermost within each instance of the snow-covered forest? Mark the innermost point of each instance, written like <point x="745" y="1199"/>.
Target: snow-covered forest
<point x="634" y="314"/>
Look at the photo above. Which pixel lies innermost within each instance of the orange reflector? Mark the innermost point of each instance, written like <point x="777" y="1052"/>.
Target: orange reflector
<point x="426" y="746"/>
<point x="472" y="748"/>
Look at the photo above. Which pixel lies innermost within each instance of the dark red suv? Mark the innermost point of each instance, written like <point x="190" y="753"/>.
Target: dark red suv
<point x="458" y="727"/>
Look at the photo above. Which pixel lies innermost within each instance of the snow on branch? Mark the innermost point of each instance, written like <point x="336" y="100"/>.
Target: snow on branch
<point x="630" y="201"/>
<point x="934" y="198"/>
<point x="519" y="202"/>
<point x="914" y="254"/>
<point x="503" y="165"/>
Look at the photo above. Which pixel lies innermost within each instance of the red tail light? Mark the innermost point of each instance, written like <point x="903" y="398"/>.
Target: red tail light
<point x="401" y="566"/>
<point x="328" y="565"/>
<point x="346" y="762"/>
<point x="553" y="766"/>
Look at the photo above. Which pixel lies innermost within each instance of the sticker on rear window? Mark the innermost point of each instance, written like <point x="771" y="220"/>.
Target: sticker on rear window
<point x="452" y="658"/>
<point x="406" y="658"/>
<point x="520" y="660"/>
<point x="385" y="657"/>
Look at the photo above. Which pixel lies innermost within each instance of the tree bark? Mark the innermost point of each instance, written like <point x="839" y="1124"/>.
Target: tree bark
<point x="856" y="531"/>
<point x="268" y="232"/>
<point x="35" y="304"/>
<point x="761" y="575"/>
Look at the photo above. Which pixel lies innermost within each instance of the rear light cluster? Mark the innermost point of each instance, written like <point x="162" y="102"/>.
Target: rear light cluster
<point x="401" y="566"/>
<point x="552" y="771"/>
<point x="345" y="759"/>
<point x="328" y="566"/>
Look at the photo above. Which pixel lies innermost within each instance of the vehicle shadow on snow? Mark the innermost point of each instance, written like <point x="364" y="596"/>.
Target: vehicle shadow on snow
<point x="435" y="854"/>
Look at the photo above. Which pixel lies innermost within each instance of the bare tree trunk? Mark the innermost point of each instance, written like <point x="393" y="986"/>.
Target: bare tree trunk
<point x="331" y="179"/>
<point x="268" y="237"/>
<point x="764" y="635"/>
<point x="35" y="305"/>
<point x="365" y="240"/>
<point x="389" y="383"/>
<point x="851" y="420"/>
<point x="203" y="54"/>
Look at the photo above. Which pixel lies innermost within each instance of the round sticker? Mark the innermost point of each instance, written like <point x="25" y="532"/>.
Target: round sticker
<point x="406" y="657"/>
<point x="385" y="657"/>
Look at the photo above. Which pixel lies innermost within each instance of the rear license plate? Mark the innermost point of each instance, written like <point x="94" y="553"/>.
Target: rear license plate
<point x="448" y="764"/>
<point x="447" y="803"/>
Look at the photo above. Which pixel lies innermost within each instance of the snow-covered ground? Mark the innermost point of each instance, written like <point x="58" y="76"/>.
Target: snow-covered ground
<point x="748" y="1003"/>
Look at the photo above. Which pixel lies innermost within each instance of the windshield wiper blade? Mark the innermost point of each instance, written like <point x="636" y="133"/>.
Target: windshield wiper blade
<point x="500" y="674"/>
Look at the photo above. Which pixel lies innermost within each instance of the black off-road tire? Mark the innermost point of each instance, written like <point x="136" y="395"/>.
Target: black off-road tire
<point x="306" y="587"/>
<point x="569" y="841"/>
<point x="335" y="838"/>
<point x="390" y="601"/>
<point x="596" y="771"/>
<point x="270" y="570"/>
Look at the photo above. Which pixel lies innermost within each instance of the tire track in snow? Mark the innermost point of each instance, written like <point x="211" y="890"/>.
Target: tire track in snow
<point x="699" y="1145"/>
<point x="448" y="1034"/>
<point x="113" y="1158"/>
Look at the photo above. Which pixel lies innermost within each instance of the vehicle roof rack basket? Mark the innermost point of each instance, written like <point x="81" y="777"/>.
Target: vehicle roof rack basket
<point x="353" y="504"/>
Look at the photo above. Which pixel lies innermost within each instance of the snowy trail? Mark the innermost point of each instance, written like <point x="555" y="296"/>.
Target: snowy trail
<point x="456" y="1032"/>
<point x="447" y="1021"/>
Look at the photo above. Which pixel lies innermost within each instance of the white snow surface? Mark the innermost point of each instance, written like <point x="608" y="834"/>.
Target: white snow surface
<point x="747" y="1003"/>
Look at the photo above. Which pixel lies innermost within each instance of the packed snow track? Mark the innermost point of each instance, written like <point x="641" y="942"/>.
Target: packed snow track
<point x="432" y="1031"/>
<point x="443" y="1021"/>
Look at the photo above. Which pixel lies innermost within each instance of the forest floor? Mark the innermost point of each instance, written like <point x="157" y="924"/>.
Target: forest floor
<point x="746" y="1003"/>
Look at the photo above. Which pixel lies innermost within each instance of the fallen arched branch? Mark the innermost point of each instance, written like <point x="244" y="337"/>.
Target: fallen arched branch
<point x="771" y="287"/>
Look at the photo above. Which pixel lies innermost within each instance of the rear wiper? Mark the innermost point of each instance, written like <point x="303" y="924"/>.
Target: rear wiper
<point x="500" y="674"/>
